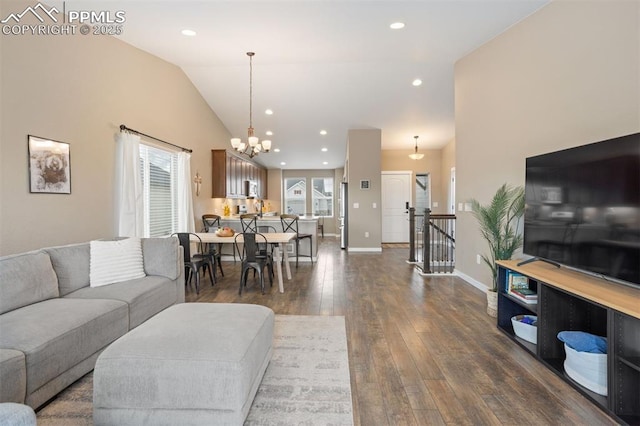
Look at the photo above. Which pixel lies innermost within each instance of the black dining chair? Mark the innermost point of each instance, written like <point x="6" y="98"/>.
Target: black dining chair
<point x="247" y="245"/>
<point x="249" y="222"/>
<point x="211" y="223"/>
<point x="321" y="225"/>
<point x="290" y="224"/>
<point x="266" y="229"/>
<point x="193" y="263"/>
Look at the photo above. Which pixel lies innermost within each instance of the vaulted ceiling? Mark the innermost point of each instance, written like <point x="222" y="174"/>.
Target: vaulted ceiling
<point x="321" y="65"/>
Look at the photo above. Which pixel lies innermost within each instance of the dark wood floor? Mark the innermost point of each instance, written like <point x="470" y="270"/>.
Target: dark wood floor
<point x="422" y="350"/>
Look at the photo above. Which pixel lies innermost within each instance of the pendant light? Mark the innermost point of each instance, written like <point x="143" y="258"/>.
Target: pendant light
<point x="253" y="146"/>
<point x="415" y="155"/>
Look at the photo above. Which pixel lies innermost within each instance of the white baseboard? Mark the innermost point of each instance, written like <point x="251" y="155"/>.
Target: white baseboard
<point x="471" y="281"/>
<point x="365" y="249"/>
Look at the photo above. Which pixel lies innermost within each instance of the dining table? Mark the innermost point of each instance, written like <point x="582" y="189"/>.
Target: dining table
<point x="280" y="251"/>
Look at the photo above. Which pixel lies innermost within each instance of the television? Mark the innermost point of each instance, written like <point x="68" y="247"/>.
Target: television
<point x="583" y="208"/>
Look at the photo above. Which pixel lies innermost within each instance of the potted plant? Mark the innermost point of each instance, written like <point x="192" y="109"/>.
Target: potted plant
<point x="499" y="222"/>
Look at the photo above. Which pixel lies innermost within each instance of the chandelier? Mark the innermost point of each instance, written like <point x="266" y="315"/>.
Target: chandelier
<point x="415" y="155"/>
<point x="253" y="146"/>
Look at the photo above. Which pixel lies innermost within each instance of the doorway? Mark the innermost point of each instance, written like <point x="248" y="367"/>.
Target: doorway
<point x="423" y="193"/>
<point x="396" y="199"/>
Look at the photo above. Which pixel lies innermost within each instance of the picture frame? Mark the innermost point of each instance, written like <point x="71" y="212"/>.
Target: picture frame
<point x="365" y="184"/>
<point x="49" y="166"/>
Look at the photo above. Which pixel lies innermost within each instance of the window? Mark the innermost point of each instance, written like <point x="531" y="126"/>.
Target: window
<point x="159" y="173"/>
<point x="322" y="196"/>
<point x="295" y="196"/>
<point x="423" y="193"/>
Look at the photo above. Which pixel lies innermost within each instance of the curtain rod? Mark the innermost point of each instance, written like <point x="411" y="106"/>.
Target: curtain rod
<point x="123" y="128"/>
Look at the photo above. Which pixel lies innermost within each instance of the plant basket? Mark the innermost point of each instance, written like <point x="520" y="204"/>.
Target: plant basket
<point x="492" y="303"/>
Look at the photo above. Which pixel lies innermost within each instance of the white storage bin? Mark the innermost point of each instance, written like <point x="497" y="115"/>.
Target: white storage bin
<point x="588" y="369"/>
<point x="524" y="331"/>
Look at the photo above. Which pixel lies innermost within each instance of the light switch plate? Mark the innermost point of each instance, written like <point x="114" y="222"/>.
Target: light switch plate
<point x="356" y="205"/>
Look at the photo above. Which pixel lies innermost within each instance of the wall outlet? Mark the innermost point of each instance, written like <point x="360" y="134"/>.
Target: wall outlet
<point x="375" y="206"/>
<point x="478" y="259"/>
<point x="366" y="234"/>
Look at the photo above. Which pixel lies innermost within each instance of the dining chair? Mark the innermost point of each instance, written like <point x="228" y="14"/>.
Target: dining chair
<point x="249" y="222"/>
<point x="211" y="223"/>
<point x="193" y="263"/>
<point x="290" y="224"/>
<point x="265" y="229"/>
<point x="253" y="258"/>
<point x="321" y="225"/>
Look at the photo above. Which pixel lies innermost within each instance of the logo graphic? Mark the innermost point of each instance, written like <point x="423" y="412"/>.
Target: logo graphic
<point x="34" y="11"/>
<point x="85" y="22"/>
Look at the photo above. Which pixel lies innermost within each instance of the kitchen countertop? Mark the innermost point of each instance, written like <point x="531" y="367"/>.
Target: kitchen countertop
<point x="274" y="217"/>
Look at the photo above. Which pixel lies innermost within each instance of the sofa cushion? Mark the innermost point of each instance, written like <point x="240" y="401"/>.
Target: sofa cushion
<point x="71" y="264"/>
<point x="156" y="252"/>
<point x="13" y="371"/>
<point x="115" y="261"/>
<point x="25" y="279"/>
<point x="145" y="296"/>
<point x="57" y="334"/>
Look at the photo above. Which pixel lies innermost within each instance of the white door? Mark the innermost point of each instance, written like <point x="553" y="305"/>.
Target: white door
<point x="396" y="198"/>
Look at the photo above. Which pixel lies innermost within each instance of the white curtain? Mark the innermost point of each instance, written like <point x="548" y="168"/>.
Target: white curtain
<point x="185" y="201"/>
<point x="129" y="196"/>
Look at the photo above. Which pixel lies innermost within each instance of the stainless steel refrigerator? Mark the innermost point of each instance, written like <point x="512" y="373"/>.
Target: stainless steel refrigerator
<point x="344" y="215"/>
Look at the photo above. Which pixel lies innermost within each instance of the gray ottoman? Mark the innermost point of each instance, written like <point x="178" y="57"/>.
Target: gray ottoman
<point x="191" y="364"/>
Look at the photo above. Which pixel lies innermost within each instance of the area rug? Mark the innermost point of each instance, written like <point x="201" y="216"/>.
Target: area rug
<point x="306" y="383"/>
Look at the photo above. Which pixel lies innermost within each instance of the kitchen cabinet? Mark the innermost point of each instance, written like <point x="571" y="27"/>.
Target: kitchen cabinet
<point x="229" y="173"/>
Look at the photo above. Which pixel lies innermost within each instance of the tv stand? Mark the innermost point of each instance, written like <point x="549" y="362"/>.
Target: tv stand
<point x="535" y="259"/>
<point x="570" y="300"/>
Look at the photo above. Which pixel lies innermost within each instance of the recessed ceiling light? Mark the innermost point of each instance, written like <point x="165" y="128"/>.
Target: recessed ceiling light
<point x="417" y="82"/>
<point x="276" y="150"/>
<point x="268" y="133"/>
<point x="282" y="163"/>
<point x="323" y="132"/>
<point x="325" y="162"/>
<point x="189" y="33"/>
<point x="268" y="112"/>
<point x="324" y="150"/>
<point x="397" y="25"/>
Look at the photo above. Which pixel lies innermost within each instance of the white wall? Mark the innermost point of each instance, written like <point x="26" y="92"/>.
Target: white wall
<point x="566" y="76"/>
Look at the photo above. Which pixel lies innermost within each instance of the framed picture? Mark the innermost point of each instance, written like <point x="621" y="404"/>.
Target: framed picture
<point x="49" y="166"/>
<point x="365" y="184"/>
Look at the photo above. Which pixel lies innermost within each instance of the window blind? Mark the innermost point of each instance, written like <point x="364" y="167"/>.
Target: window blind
<point x="159" y="181"/>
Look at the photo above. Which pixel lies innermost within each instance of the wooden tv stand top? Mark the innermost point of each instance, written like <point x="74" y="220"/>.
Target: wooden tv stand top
<point x="610" y="294"/>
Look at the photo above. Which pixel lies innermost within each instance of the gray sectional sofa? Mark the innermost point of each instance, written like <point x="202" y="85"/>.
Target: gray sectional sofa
<point x="53" y="324"/>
